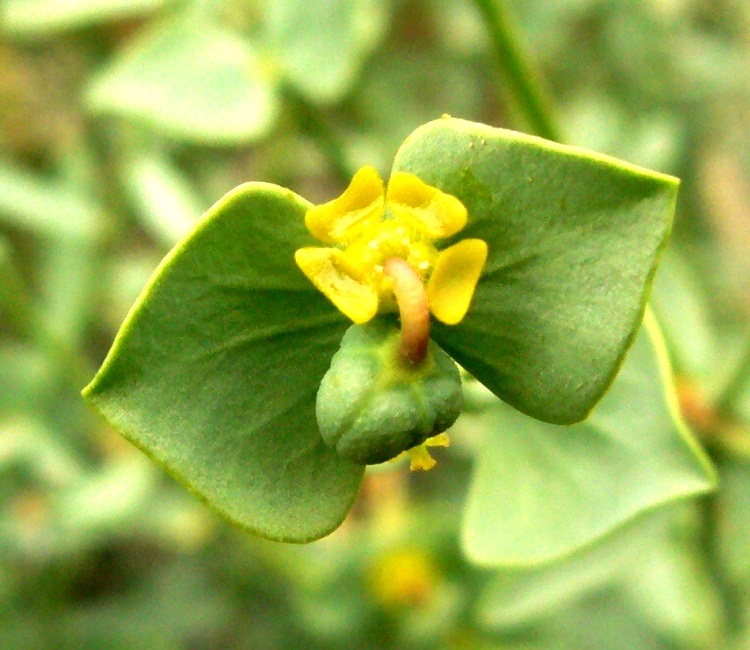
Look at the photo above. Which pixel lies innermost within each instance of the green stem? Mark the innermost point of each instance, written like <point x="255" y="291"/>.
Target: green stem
<point x="517" y="70"/>
<point x="13" y="299"/>
<point x="313" y="122"/>
<point x="739" y="380"/>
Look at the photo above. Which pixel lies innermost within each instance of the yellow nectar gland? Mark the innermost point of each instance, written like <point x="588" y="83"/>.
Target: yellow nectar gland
<point x="368" y="225"/>
<point x="368" y="252"/>
<point x="419" y="456"/>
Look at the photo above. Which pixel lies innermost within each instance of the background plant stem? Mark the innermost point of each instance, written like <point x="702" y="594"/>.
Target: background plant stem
<point x="313" y="122"/>
<point x="517" y="70"/>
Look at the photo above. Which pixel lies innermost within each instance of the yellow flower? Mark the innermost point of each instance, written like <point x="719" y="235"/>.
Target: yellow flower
<point x="369" y="225"/>
<point x="405" y="577"/>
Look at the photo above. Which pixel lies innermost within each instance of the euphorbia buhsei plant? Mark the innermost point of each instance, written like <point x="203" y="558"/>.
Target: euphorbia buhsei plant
<point x="281" y="347"/>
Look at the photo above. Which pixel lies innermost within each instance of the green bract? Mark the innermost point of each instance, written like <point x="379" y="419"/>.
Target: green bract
<point x="574" y="238"/>
<point x="216" y="369"/>
<point x="370" y="407"/>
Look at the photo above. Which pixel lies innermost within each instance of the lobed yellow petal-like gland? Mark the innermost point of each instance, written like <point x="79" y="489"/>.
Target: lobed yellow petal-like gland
<point x="352" y="292"/>
<point x="440" y="440"/>
<point x="454" y="278"/>
<point x="360" y="206"/>
<point x="424" y="207"/>
<point x="419" y="456"/>
<point x="420" y="459"/>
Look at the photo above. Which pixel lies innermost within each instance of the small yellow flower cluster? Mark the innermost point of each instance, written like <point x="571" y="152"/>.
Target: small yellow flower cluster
<point x="405" y="577"/>
<point x="368" y="225"/>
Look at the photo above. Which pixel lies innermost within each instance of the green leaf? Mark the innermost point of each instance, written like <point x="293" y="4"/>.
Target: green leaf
<point x="650" y="572"/>
<point x="46" y="206"/>
<point x="68" y="274"/>
<point x="215" y="371"/>
<point x="733" y="523"/>
<point x="32" y="17"/>
<point x="520" y="596"/>
<point x="164" y="197"/>
<point x="25" y="376"/>
<point x="675" y="593"/>
<point x="72" y="226"/>
<point x="321" y="44"/>
<point x="541" y="491"/>
<point x="574" y="238"/>
<point x="46" y="457"/>
<point x="679" y="302"/>
<point x="192" y="79"/>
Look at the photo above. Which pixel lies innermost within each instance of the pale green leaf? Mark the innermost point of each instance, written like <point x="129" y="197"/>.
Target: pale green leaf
<point x="321" y="44"/>
<point x="43" y="17"/>
<point x="648" y="576"/>
<point x="541" y="491"/>
<point x="679" y="302"/>
<point x="191" y="79"/>
<point x="45" y="206"/>
<point x="165" y="200"/>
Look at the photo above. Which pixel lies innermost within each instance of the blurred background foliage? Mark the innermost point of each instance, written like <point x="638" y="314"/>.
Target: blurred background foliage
<point x="122" y="120"/>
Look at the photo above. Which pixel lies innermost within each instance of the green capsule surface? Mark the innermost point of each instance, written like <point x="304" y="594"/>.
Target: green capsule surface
<point x="371" y="406"/>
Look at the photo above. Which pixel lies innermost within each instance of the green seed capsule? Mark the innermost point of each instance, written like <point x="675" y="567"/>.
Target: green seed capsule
<point x="371" y="406"/>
